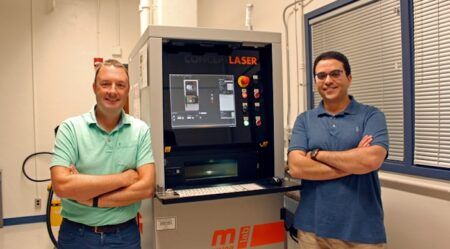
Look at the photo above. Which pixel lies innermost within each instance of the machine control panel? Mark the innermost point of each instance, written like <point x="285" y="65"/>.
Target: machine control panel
<point x="216" y="112"/>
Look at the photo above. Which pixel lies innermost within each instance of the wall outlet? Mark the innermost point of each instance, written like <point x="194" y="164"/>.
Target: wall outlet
<point x="37" y="203"/>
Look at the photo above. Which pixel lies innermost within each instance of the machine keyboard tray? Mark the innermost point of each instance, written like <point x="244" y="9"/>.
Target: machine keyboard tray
<point x="218" y="190"/>
<point x="205" y="193"/>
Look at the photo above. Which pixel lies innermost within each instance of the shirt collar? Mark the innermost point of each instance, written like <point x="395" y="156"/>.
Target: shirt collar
<point x="350" y="109"/>
<point x="92" y="119"/>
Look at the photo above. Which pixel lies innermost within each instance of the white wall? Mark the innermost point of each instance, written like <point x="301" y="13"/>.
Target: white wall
<point x="16" y="105"/>
<point x="179" y="13"/>
<point x="47" y="71"/>
<point x="46" y="75"/>
<point x="414" y="219"/>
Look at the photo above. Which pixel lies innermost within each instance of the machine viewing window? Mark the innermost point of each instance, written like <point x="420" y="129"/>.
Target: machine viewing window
<point x="211" y="169"/>
<point x="202" y="100"/>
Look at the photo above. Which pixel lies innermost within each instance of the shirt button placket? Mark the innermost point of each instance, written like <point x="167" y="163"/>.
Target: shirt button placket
<point x="108" y="144"/>
<point x="333" y="130"/>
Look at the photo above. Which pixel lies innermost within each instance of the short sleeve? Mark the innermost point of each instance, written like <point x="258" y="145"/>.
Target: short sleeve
<point x="299" y="138"/>
<point x="145" y="153"/>
<point x="65" y="149"/>
<point x="376" y="126"/>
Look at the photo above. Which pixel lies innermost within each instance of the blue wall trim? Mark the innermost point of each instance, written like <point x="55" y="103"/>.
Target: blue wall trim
<point x="24" y="220"/>
<point x="308" y="55"/>
<point x="328" y="8"/>
<point x="425" y="171"/>
<point x="407" y="166"/>
<point x="408" y="77"/>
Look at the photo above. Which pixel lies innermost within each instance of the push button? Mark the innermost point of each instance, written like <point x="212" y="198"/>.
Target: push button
<point x="255" y="79"/>
<point x="258" y="121"/>
<point x="244" y="93"/>
<point x="257" y="106"/>
<point x="244" y="107"/>
<point x="256" y="93"/>
<point x="246" y="122"/>
<point x="243" y="81"/>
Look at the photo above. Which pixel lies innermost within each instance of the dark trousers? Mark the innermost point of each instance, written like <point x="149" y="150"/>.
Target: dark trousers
<point x="75" y="236"/>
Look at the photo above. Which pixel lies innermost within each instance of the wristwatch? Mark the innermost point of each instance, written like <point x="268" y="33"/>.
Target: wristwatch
<point x="314" y="153"/>
<point x="95" y="201"/>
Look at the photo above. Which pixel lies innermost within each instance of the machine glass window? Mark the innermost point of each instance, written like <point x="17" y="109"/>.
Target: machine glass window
<point x="211" y="169"/>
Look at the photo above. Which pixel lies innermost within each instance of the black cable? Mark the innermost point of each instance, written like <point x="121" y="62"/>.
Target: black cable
<point x="25" y="161"/>
<point x="49" y="199"/>
<point x="293" y="234"/>
<point x="50" y="194"/>
<point x="47" y="220"/>
<point x="288" y="226"/>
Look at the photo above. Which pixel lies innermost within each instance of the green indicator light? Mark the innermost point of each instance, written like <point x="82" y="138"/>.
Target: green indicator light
<point x="246" y="123"/>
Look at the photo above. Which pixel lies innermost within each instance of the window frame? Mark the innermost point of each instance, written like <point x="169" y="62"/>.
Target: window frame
<point x="407" y="25"/>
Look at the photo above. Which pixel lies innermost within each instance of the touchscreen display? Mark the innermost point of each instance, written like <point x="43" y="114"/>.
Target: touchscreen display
<point x="202" y="100"/>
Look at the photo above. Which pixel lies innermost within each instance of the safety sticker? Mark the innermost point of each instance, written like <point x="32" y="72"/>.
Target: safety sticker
<point x="166" y="223"/>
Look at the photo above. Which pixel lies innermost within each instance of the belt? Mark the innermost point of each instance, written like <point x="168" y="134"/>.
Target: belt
<point x="103" y="229"/>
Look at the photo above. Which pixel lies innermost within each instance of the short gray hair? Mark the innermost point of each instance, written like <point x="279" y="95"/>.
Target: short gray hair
<point x="110" y="62"/>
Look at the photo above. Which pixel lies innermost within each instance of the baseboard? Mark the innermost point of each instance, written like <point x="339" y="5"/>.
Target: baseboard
<point x="23" y="220"/>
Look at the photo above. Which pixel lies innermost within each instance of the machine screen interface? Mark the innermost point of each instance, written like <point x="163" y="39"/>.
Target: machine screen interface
<point x="200" y="100"/>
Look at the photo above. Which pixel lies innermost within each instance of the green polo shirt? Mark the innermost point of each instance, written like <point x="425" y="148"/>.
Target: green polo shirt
<point x="82" y="142"/>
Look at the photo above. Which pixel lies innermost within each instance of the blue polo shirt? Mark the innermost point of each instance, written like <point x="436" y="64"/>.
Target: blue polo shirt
<point x="347" y="208"/>
<point x="92" y="150"/>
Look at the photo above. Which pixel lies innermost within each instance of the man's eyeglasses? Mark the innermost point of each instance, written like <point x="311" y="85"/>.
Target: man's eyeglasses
<point x="333" y="74"/>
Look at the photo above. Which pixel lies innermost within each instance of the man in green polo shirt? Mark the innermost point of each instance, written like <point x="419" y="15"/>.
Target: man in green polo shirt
<point x="102" y="168"/>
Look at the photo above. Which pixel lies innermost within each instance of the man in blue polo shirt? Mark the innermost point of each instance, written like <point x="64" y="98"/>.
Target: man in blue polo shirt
<point x="102" y="168"/>
<point x="337" y="149"/>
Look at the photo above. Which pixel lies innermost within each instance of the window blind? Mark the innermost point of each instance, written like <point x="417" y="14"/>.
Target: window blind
<point x="370" y="37"/>
<point x="432" y="82"/>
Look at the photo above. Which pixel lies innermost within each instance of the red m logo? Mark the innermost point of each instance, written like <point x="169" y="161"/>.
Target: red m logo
<point x="223" y="235"/>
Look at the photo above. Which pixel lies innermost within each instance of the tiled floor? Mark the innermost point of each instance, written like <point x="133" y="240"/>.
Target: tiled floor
<point x="28" y="236"/>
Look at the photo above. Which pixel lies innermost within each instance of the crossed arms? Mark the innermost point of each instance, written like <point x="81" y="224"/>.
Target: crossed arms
<point x="329" y="165"/>
<point x="113" y="190"/>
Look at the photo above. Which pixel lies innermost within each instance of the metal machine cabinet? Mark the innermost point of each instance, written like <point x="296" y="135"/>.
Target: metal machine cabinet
<point x="213" y="100"/>
<point x="242" y="222"/>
